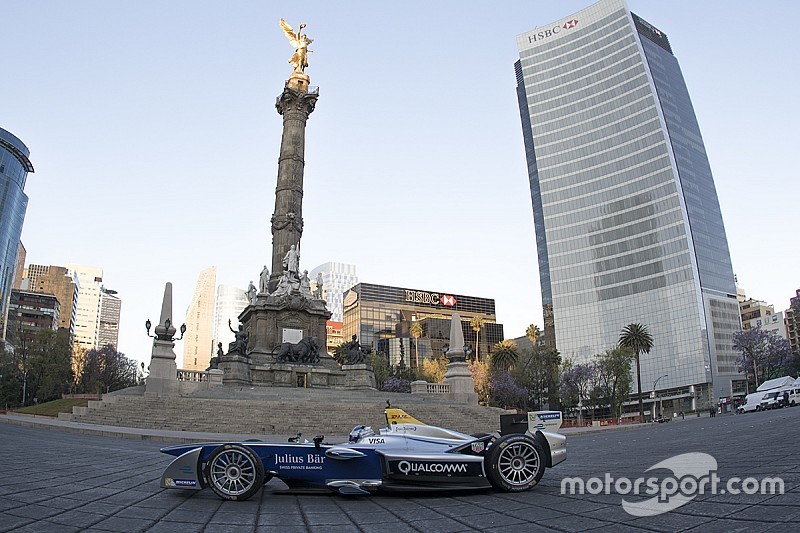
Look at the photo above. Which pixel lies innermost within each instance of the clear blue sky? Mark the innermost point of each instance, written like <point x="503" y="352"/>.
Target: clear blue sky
<point x="155" y="139"/>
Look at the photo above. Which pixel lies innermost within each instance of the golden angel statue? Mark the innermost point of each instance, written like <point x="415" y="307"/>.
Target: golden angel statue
<point x="300" y="41"/>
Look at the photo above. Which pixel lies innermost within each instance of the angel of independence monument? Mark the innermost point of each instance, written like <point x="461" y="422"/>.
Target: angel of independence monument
<point x="281" y="339"/>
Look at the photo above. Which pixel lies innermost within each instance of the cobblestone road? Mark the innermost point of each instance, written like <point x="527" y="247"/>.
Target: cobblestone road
<point x="61" y="482"/>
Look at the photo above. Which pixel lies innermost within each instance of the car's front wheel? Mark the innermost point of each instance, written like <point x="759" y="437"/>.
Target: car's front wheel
<point x="234" y="472"/>
<point x="515" y="463"/>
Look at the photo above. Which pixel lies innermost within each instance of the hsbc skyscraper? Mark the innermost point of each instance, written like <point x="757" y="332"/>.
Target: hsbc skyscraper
<point x="381" y="317"/>
<point x="628" y="224"/>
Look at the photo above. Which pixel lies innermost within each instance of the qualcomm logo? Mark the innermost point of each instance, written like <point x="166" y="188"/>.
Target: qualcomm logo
<point x="407" y="467"/>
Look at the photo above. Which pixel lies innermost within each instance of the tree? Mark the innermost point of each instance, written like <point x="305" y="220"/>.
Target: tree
<point x="505" y="392"/>
<point x="576" y="384"/>
<point x="766" y="353"/>
<point x="476" y="323"/>
<point x="10" y="378"/>
<point x="416" y="332"/>
<point x="614" y="381"/>
<point x="49" y="365"/>
<point x="533" y="333"/>
<point x="380" y="367"/>
<point x="105" y="370"/>
<point x="505" y="355"/>
<point x="538" y="370"/>
<point x="480" y="375"/>
<point x="637" y="338"/>
<point x="433" y="370"/>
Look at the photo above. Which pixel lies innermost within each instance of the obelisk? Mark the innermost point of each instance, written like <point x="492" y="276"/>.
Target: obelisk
<point x="295" y="104"/>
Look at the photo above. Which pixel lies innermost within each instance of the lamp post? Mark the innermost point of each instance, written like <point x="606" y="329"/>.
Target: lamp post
<point x="164" y="333"/>
<point x="653" y="414"/>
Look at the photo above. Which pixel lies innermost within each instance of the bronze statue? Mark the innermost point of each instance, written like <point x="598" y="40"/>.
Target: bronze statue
<point x="355" y="355"/>
<point x="300" y="42"/>
<point x="240" y="344"/>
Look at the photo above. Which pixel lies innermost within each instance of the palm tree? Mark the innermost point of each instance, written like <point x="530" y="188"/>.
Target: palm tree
<point x="416" y="332"/>
<point x="637" y="338"/>
<point x="476" y="323"/>
<point x="533" y="332"/>
<point x="505" y="355"/>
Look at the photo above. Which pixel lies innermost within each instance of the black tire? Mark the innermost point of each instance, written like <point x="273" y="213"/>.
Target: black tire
<point x="515" y="463"/>
<point x="234" y="472"/>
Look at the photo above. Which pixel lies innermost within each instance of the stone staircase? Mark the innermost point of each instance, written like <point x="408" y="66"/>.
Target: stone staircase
<point x="280" y="411"/>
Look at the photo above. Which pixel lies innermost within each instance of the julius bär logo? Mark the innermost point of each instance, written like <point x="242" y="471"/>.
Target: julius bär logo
<point x="448" y="300"/>
<point x="570" y="24"/>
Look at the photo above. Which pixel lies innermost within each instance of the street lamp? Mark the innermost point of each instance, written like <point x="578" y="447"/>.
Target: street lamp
<point x="165" y="332"/>
<point x="654" y="394"/>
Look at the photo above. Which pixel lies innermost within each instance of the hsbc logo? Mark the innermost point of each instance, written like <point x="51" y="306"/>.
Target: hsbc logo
<point x="448" y="300"/>
<point x="544" y="34"/>
<point x="433" y="298"/>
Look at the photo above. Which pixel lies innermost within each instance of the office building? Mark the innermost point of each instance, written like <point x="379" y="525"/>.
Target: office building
<point x="337" y="278"/>
<point x="110" y="310"/>
<point x="19" y="271"/>
<point x="231" y="301"/>
<point x="334" y="336"/>
<point x="792" y="322"/>
<point x="198" y="342"/>
<point x="29" y="313"/>
<point x="61" y="282"/>
<point x="381" y="317"/>
<point x="14" y="169"/>
<point x="758" y="314"/>
<point x="87" y="313"/>
<point x="627" y="219"/>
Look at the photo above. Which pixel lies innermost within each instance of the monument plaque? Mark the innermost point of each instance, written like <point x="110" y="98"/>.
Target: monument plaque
<point x="292" y="336"/>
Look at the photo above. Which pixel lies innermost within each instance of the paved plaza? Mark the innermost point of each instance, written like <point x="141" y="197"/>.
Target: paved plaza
<point x="58" y="481"/>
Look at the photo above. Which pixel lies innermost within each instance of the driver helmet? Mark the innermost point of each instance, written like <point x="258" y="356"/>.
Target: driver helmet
<point x="360" y="432"/>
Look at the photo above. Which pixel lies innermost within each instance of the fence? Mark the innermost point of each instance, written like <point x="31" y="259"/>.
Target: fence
<point x="81" y="396"/>
<point x="587" y="422"/>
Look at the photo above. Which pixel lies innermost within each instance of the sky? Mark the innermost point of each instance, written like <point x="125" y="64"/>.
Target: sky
<point x="154" y="136"/>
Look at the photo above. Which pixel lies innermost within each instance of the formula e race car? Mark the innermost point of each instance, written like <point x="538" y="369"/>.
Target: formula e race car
<point x="406" y="456"/>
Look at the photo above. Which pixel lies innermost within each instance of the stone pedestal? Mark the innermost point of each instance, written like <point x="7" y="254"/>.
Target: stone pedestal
<point x="274" y="320"/>
<point x="235" y="369"/>
<point x="302" y="376"/>
<point x="359" y="376"/>
<point x="462" y="386"/>
<point x="163" y="378"/>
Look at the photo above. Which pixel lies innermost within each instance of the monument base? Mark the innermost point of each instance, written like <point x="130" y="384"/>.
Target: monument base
<point x="273" y="321"/>
<point x="359" y="376"/>
<point x="302" y="376"/>
<point x="236" y="369"/>
<point x="163" y="378"/>
<point x="462" y="386"/>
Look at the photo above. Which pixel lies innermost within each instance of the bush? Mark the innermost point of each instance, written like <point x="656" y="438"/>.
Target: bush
<point x="504" y="391"/>
<point x="395" y="384"/>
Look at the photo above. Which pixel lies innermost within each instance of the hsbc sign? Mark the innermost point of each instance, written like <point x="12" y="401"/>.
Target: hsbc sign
<point x="432" y="298"/>
<point x="544" y="34"/>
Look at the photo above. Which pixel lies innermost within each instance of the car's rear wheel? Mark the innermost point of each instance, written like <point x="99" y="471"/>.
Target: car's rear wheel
<point x="515" y="463"/>
<point x="234" y="472"/>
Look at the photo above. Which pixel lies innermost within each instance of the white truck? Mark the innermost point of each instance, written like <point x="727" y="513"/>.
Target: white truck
<point x="752" y="402"/>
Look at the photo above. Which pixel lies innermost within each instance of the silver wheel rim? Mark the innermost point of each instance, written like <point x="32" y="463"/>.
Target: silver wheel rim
<point x="232" y="472"/>
<point x="518" y="463"/>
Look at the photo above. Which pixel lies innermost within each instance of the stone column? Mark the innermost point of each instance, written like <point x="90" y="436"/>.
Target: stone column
<point x="163" y="378"/>
<point x="458" y="376"/>
<point x="295" y="104"/>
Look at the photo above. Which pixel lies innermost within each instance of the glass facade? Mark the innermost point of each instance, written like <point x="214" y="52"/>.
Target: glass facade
<point x="14" y="168"/>
<point x="381" y="316"/>
<point x="628" y="225"/>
